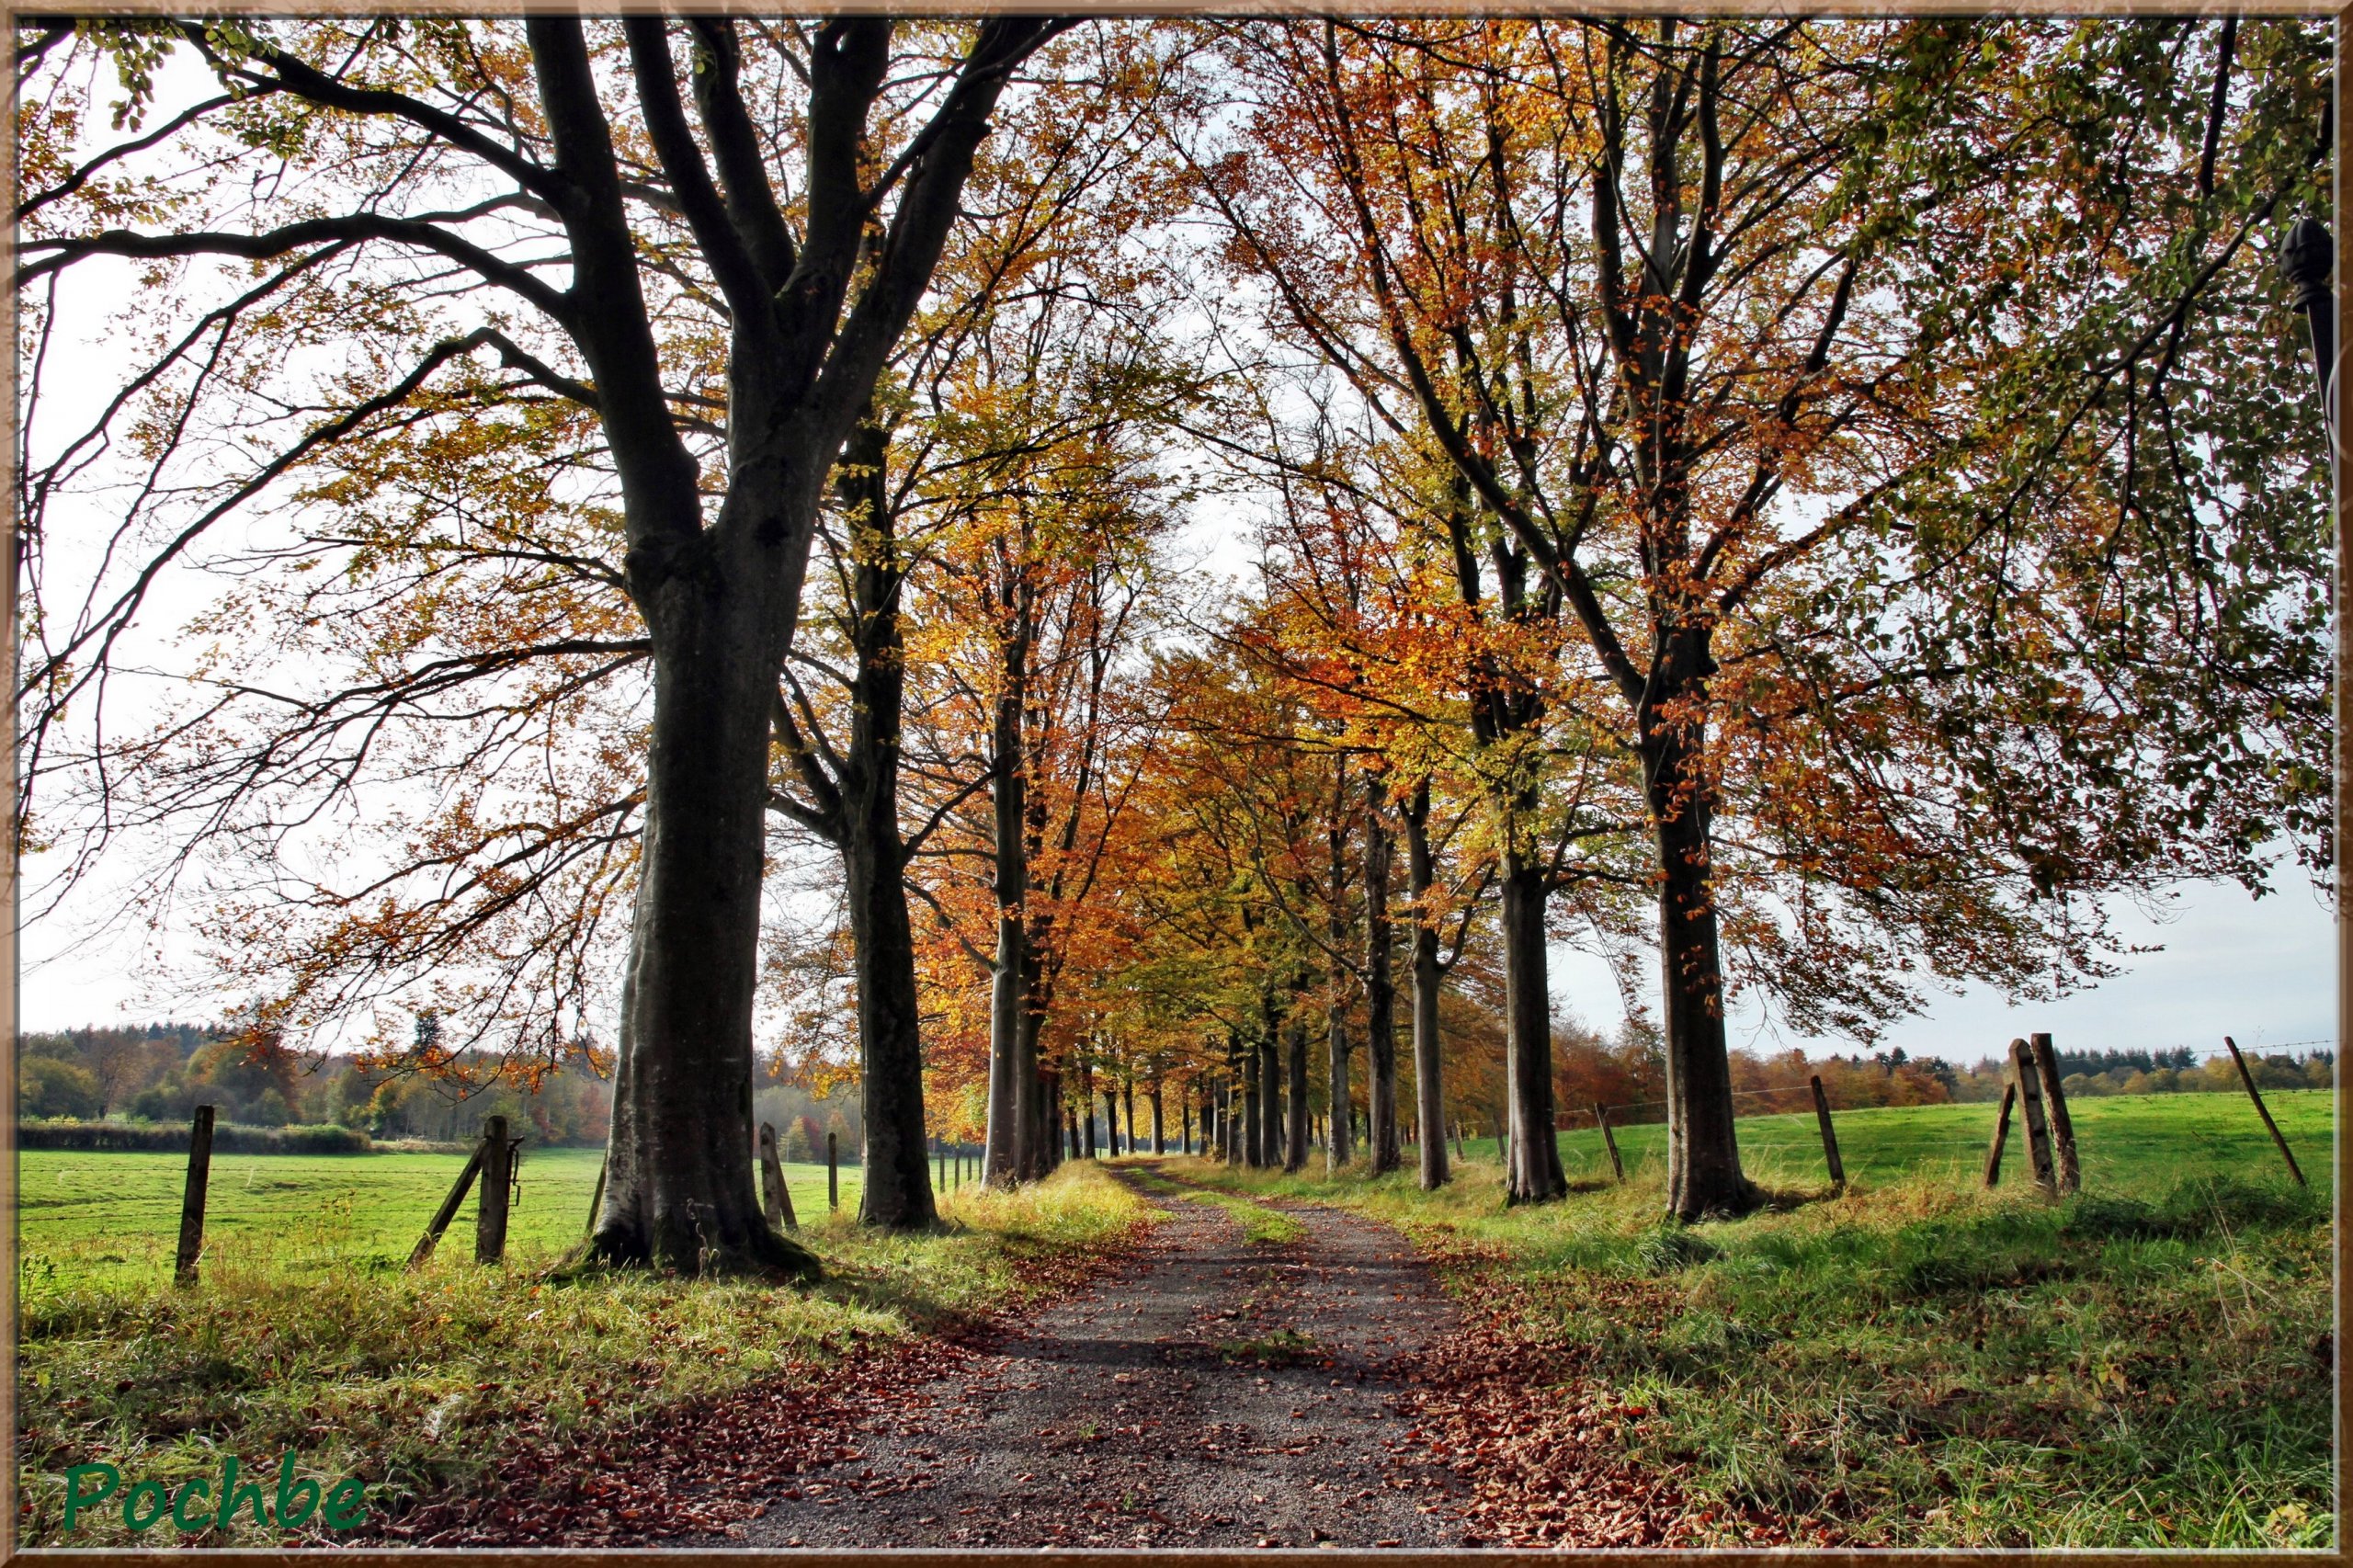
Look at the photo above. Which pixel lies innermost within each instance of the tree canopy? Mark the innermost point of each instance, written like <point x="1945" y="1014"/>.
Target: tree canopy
<point x="1019" y="562"/>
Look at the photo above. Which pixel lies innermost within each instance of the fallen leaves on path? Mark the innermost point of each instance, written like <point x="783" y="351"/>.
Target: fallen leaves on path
<point x="1538" y="1442"/>
<point x="703" y="1466"/>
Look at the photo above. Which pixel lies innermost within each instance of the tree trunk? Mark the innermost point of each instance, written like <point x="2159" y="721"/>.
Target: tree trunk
<point x="1159" y="1140"/>
<point x="1336" y="1152"/>
<point x="1250" y="1124"/>
<point x="1049" y="1118"/>
<point x="1029" y="1159"/>
<point x="678" y="1189"/>
<point x="1008" y="799"/>
<point x="1238" y="1103"/>
<point x="1086" y="1104"/>
<point x="1380" y="990"/>
<point x="896" y="1192"/>
<point x="1532" y="1173"/>
<point x="1704" y="1150"/>
<point x="1127" y="1094"/>
<point x="1295" y="1141"/>
<point x="1429" y="1099"/>
<point x="1271" y="1098"/>
<point x="1185" y="1115"/>
<point x="720" y="602"/>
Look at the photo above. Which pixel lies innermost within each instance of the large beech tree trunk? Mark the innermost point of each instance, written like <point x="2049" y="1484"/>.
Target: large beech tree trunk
<point x="1532" y="1173"/>
<point x="897" y="1180"/>
<point x="1429" y="1097"/>
<point x="721" y="601"/>
<point x="1379" y="991"/>
<point x="1703" y="1149"/>
<point x="678" y="1177"/>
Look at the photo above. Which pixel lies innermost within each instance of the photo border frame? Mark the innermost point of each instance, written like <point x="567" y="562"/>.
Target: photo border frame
<point x="538" y="1557"/>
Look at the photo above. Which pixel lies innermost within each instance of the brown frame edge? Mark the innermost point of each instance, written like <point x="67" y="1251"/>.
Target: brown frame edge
<point x="10" y="889"/>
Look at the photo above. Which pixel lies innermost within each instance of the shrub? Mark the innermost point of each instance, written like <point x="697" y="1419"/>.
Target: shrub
<point x="229" y="1137"/>
<point x="46" y="1087"/>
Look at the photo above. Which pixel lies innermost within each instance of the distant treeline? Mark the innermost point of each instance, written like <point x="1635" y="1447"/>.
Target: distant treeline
<point x="151" y="1076"/>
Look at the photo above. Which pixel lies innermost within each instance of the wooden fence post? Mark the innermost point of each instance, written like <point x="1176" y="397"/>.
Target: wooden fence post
<point x="775" y="1198"/>
<point x="497" y="1175"/>
<point x="2001" y="1131"/>
<point x="597" y="1199"/>
<point x="2038" y="1131"/>
<point x="1609" y="1142"/>
<point x="200" y="1173"/>
<point x="833" y="1171"/>
<point x="1829" y="1137"/>
<point x="2262" y="1110"/>
<point x="2063" y="1126"/>
<point x="448" y="1210"/>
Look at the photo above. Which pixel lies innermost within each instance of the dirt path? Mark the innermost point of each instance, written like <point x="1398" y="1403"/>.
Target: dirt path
<point x="1220" y="1392"/>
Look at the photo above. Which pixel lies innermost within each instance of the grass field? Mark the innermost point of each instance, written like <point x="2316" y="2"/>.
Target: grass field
<point x="1919" y="1362"/>
<point x="98" y="1217"/>
<point x="1916" y="1363"/>
<point x="421" y="1381"/>
<point x="2127" y="1143"/>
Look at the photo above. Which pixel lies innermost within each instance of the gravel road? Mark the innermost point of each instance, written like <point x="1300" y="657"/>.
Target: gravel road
<point x="1217" y="1393"/>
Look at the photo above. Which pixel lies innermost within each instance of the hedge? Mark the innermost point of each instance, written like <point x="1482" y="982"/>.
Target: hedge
<point x="228" y="1138"/>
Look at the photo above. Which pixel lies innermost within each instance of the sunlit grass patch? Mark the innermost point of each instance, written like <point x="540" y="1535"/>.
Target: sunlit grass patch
<point x="1918" y="1362"/>
<point x="414" y="1381"/>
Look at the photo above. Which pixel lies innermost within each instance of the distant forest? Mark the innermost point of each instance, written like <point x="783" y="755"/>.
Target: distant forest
<point x="161" y="1072"/>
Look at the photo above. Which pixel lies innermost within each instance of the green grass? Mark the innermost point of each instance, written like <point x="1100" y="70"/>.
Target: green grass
<point x="415" y="1382"/>
<point x="2127" y="1142"/>
<point x="85" y="1218"/>
<point x="1920" y="1363"/>
<point x="1261" y="1226"/>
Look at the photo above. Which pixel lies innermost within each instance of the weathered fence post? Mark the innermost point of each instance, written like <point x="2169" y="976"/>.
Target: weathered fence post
<point x="2261" y="1109"/>
<point x="1829" y="1137"/>
<point x="448" y="1210"/>
<point x="775" y="1198"/>
<point x="497" y="1175"/>
<point x="1609" y="1142"/>
<point x="2063" y="1126"/>
<point x="2038" y="1131"/>
<point x="2001" y="1131"/>
<point x="833" y="1171"/>
<point x="597" y="1199"/>
<point x="199" y="1171"/>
